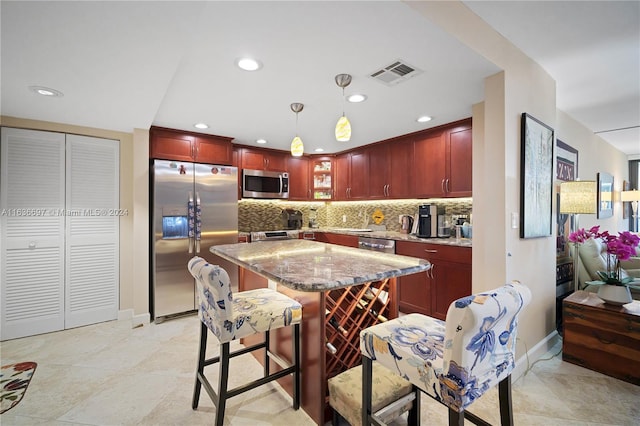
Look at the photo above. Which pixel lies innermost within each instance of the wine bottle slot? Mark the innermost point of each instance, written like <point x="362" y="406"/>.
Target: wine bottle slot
<point x="334" y="323"/>
<point x="332" y="349"/>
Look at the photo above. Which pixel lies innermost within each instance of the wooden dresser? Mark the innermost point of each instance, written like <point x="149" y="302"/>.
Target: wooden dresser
<point x="602" y="337"/>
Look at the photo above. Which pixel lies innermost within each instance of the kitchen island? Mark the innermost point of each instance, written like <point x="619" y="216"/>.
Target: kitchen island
<point x="342" y="290"/>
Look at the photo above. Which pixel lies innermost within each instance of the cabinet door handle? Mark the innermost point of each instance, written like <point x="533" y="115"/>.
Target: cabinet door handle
<point x="430" y="251"/>
<point x="442" y="185"/>
<point x="431" y="270"/>
<point x="447" y="186"/>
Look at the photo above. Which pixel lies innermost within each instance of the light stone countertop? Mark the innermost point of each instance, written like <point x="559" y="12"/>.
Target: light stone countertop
<point x="313" y="266"/>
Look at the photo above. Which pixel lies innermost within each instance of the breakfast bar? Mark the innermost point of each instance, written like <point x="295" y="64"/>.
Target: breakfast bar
<point x="342" y="290"/>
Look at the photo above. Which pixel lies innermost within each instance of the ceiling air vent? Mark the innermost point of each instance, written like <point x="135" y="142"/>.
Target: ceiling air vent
<point x="395" y="73"/>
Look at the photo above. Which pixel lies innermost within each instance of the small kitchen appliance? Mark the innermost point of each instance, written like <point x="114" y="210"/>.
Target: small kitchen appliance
<point x="291" y="219"/>
<point x="428" y="220"/>
<point x="407" y="223"/>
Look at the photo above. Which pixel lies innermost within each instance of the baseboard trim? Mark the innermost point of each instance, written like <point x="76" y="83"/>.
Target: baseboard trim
<point x="535" y="353"/>
<point x="136" y="320"/>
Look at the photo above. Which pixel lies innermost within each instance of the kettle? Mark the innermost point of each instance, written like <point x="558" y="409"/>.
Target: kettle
<point x="407" y="223"/>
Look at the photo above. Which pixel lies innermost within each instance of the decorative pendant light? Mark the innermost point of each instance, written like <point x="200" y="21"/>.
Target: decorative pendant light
<point x="343" y="127"/>
<point x="297" y="148"/>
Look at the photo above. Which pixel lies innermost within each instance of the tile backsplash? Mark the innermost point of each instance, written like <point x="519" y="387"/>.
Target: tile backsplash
<point x="265" y="215"/>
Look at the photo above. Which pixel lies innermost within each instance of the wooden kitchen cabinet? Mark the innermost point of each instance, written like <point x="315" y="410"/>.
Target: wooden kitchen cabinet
<point x="448" y="279"/>
<point x="443" y="162"/>
<point x="352" y="175"/>
<point x="602" y="337"/>
<point x="459" y="162"/>
<point x="339" y="239"/>
<point x="259" y="159"/>
<point x="169" y="144"/>
<point x="391" y="169"/>
<point x="299" y="186"/>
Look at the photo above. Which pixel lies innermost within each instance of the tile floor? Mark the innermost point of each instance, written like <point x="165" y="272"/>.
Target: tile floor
<point x="111" y="374"/>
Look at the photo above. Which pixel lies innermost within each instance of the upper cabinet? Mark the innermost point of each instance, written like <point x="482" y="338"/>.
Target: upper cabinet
<point x="352" y="175"/>
<point x="459" y="162"/>
<point x="298" y="168"/>
<point x="168" y="144"/>
<point x="259" y="159"/>
<point x="322" y="175"/>
<point x="442" y="162"/>
<point x="391" y="174"/>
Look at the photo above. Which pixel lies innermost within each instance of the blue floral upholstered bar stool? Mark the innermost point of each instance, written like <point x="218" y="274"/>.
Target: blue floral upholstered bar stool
<point x="454" y="361"/>
<point x="233" y="316"/>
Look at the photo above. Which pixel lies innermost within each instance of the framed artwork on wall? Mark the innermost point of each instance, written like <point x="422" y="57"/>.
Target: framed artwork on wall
<point x="536" y="177"/>
<point x="605" y="195"/>
<point x="566" y="170"/>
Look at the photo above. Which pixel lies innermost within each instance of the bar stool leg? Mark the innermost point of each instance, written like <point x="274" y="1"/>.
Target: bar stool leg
<point x="222" y="384"/>
<point x="200" y="370"/>
<point x="267" y="347"/>
<point x="367" y="380"/>
<point x="506" y="407"/>
<point x="456" y="418"/>
<point x="414" y="413"/>
<point x="297" y="383"/>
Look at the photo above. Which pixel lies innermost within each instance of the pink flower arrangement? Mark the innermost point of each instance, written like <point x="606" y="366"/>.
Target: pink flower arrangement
<point x="620" y="247"/>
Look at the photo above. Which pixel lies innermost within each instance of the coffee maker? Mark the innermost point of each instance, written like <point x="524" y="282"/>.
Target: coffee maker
<point x="428" y="220"/>
<point x="291" y="219"/>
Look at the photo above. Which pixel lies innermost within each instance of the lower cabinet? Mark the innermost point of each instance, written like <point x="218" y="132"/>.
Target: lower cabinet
<point x="432" y="292"/>
<point x="339" y="239"/>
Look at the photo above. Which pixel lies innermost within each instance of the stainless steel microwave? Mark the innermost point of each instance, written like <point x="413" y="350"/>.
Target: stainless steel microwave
<point x="264" y="184"/>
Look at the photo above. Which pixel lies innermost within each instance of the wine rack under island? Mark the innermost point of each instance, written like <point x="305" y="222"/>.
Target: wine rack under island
<point x="342" y="290"/>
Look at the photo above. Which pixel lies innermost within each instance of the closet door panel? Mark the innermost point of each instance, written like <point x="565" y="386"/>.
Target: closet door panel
<point x="31" y="232"/>
<point x="92" y="231"/>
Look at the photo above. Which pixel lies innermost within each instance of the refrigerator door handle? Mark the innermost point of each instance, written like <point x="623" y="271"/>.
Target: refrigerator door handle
<point x="191" y="221"/>
<point x="198" y="222"/>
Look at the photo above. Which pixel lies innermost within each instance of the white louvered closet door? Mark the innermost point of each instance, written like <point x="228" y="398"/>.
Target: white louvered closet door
<point x="92" y="231"/>
<point x="32" y="232"/>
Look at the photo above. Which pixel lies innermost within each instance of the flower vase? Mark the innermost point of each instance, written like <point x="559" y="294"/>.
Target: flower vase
<point x="615" y="294"/>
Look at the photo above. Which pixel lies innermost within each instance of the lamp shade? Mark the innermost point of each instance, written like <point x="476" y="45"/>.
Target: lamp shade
<point x="578" y="197"/>
<point x="343" y="129"/>
<point x="627" y="196"/>
<point x="297" y="148"/>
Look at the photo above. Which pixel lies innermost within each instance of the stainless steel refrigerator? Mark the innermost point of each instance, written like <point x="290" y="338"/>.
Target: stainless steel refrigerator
<point x="195" y="206"/>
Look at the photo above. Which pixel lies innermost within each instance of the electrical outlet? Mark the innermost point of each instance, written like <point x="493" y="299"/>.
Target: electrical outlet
<point x="344" y="218"/>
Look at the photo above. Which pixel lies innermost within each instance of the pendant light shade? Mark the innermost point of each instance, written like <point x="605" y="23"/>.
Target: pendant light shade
<point x="297" y="147"/>
<point x="343" y="127"/>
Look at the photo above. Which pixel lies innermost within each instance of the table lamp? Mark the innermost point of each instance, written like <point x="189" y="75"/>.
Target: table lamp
<point x="576" y="198"/>
<point x="632" y="197"/>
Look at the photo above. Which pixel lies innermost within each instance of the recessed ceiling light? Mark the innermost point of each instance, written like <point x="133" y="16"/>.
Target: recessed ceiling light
<point x="46" y="91"/>
<point x="201" y="126"/>
<point x="355" y="98"/>
<point x="319" y="150"/>
<point x="261" y="141"/>
<point x="249" y="64"/>
<point x="423" y="119"/>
